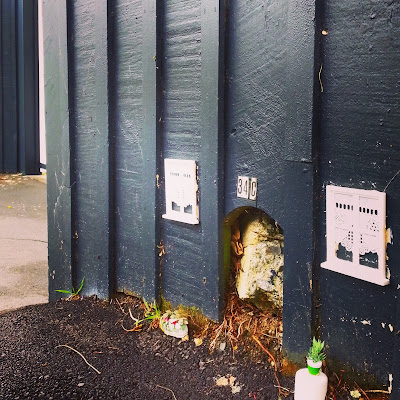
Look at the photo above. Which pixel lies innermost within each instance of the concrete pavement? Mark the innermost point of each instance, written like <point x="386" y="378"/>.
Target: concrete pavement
<point x="23" y="242"/>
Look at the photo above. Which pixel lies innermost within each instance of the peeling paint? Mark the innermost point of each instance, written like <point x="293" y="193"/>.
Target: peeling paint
<point x="389" y="236"/>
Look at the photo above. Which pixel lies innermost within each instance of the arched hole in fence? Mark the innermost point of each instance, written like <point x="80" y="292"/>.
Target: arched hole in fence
<point x="253" y="258"/>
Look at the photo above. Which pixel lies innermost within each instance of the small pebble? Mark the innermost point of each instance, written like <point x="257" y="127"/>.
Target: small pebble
<point x="81" y="384"/>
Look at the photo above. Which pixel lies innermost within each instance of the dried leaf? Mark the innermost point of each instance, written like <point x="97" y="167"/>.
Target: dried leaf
<point x="223" y="381"/>
<point x="236" y="389"/>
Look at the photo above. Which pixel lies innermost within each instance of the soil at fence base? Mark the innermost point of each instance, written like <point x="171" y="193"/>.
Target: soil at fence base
<point x="133" y="365"/>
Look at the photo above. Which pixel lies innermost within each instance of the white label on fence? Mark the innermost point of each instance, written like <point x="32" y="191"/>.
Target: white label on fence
<point x="253" y="189"/>
<point x="356" y="233"/>
<point x="181" y="191"/>
<point x="243" y="187"/>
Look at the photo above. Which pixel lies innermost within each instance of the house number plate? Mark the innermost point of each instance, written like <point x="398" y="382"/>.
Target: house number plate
<point x="246" y="188"/>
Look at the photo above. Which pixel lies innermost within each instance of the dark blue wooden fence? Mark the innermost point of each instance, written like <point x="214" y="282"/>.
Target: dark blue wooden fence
<point x="248" y="88"/>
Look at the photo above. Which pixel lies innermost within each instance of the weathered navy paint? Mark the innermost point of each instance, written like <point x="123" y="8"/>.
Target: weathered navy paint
<point x="212" y="154"/>
<point x="58" y="146"/>
<point x="91" y="208"/>
<point x="9" y="87"/>
<point x="268" y="136"/>
<point x="151" y="146"/>
<point x="135" y="104"/>
<point x="300" y="81"/>
<point x="28" y="108"/>
<point x="359" y="148"/>
<point x="165" y="69"/>
<point x="19" y="130"/>
<point x="181" y="139"/>
<point x="127" y="109"/>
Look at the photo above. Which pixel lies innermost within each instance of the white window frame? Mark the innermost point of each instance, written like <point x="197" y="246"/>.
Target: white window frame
<point x="181" y="188"/>
<point x="358" y="202"/>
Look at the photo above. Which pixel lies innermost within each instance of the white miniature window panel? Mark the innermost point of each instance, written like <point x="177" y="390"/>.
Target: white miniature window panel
<point x="355" y="233"/>
<point x="181" y="191"/>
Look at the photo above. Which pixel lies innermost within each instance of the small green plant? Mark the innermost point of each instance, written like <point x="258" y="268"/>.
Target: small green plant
<point x="73" y="292"/>
<point x="152" y="313"/>
<point x="316" y="353"/>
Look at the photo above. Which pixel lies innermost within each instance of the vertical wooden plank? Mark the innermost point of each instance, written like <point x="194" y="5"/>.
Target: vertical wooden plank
<point x="359" y="144"/>
<point x="298" y="200"/>
<point x="102" y="248"/>
<point x="150" y="148"/>
<point x="300" y="73"/>
<point x="89" y="90"/>
<point x="255" y="102"/>
<point x="126" y="89"/>
<point x="212" y="154"/>
<point x="58" y="145"/>
<point x="183" y="268"/>
<point x="9" y="61"/>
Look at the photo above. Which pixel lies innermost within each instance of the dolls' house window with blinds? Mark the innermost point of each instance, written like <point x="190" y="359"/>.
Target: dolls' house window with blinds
<point x="356" y="233"/>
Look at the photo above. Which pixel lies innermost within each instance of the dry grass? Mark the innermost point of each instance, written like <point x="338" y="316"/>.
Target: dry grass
<point x="242" y="321"/>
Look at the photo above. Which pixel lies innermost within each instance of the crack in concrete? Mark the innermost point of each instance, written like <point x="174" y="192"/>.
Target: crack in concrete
<point x="30" y="240"/>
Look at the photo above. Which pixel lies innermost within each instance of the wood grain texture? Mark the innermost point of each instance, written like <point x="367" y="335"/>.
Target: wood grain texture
<point x="128" y="109"/>
<point x="183" y="269"/>
<point x="91" y="140"/>
<point x="59" y="216"/>
<point x="359" y="148"/>
<point x="255" y="101"/>
<point x="212" y="157"/>
<point x="262" y="71"/>
<point x="181" y="75"/>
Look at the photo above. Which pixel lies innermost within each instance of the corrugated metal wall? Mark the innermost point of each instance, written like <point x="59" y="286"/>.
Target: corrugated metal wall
<point x="19" y="126"/>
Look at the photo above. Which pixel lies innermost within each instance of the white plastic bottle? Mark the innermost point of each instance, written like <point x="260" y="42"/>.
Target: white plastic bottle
<point x="310" y="383"/>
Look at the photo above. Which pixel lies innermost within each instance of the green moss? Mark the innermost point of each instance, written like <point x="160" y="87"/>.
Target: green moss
<point x="165" y="304"/>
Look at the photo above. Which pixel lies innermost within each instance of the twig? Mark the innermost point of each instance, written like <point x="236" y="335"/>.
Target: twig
<point x="320" y="81"/>
<point x="362" y="391"/>
<point x="84" y="359"/>
<point x="284" y="388"/>
<point x="136" y="328"/>
<point x="338" y="385"/>
<point x="393" y="178"/>
<point x="135" y="319"/>
<point x="378" y="391"/>
<point x="123" y="311"/>
<point x="163" y="387"/>
<point x="273" y="359"/>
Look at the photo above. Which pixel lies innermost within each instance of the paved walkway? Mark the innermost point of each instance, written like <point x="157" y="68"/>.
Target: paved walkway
<point x="23" y="242"/>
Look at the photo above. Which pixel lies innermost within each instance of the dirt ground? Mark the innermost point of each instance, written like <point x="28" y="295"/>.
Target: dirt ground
<point x="133" y="365"/>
